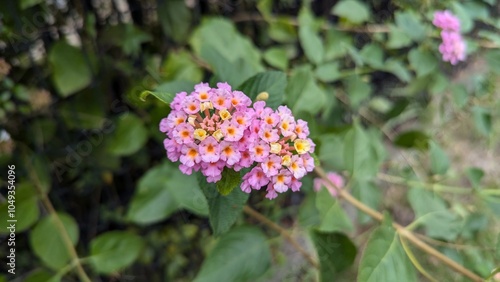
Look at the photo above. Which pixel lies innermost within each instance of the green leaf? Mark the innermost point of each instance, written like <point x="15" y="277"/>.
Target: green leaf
<point x="460" y="95"/>
<point x="175" y="19"/>
<point x="409" y="23"/>
<point x="162" y="191"/>
<point x="180" y="66"/>
<point x="482" y="120"/>
<point x="25" y="4"/>
<point x="336" y="253"/>
<point x="127" y="36"/>
<point x="352" y="10"/>
<point x="309" y="39"/>
<point x="242" y="254"/>
<point x="466" y="21"/>
<point x="369" y="194"/>
<point x="166" y="92"/>
<point x="398" y="69"/>
<point x="360" y="157"/>
<point x="432" y="213"/>
<point x="333" y="217"/>
<point x="475" y="174"/>
<point x="26" y="212"/>
<point x="233" y="57"/>
<point x="114" y="250"/>
<point x="165" y="97"/>
<point x="281" y="30"/>
<point x="493" y="59"/>
<point x="222" y="210"/>
<point x="412" y="139"/>
<point x="69" y="77"/>
<point x="277" y="57"/>
<point x="304" y="93"/>
<point x="230" y="179"/>
<point x="328" y="72"/>
<point x="40" y="275"/>
<point x="423" y="62"/>
<point x="47" y="242"/>
<point x="272" y="82"/>
<point x="357" y="90"/>
<point x="373" y="55"/>
<point x="398" y="38"/>
<point x="129" y="136"/>
<point x="85" y="110"/>
<point x="439" y="160"/>
<point x="384" y="258"/>
<point x="497" y="253"/>
<point x="337" y="44"/>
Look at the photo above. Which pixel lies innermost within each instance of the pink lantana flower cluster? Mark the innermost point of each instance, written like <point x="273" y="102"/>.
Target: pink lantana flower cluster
<point x="216" y="128"/>
<point x="453" y="47"/>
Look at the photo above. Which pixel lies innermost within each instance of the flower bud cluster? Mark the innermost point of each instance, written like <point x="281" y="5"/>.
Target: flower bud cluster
<point x="216" y="128"/>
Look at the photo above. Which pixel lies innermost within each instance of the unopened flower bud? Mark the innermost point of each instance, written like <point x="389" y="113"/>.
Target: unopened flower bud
<point x="262" y="96"/>
<point x="192" y="119"/>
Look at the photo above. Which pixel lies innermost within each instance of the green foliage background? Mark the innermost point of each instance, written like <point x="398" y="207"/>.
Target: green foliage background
<point x="383" y="109"/>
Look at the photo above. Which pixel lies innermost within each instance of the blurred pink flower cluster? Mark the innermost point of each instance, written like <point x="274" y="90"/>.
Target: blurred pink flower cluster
<point x="335" y="178"/>
<point x="215" y="128"/>
<point x="453" y="47"/>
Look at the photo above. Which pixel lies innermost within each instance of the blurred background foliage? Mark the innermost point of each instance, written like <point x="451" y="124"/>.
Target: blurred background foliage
<point x="415" y="137"/>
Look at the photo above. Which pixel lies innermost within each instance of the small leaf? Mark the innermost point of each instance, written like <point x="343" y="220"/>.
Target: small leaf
<point x="40" y="275"/>
<point x="304" y="94"/>
<point x="24" y="4"/>
<point x="272" y="82"/>
<point x="412" y="139"/>
<point x="230" y="180"/>
<point x="47" y="242"/>
<point x="384" y="258"/>
<point x="175" y="19"/>
<point x="460" y="95"/>
<point x="357" y="90"/>
<point x="352" y="10"/>
<point x="328" y="72"/>
<point x="482" y="120"/>
<point x="129" y="136"/>
<point x="439" y="160"/>
<point x="180" y="66"/>
<point x="475" y="174"/>
<point x="398" y="38"/>
<point x="423" y="62"/>
<point x="162" y="191"/>
<point x="70" y="70"/>
<point x="27" y="210"/>
<point x="336" y="253"/>
<point x="162" y="96"/>
<point x="410" y="24"/>
<point x="277" y="57"/>
<point x="242" y="254"/>
<point x="373" y="55"/>
<point x="310" y="41"/>
<point x="333" y="216"/>
<point x="114" y="250"/>
<point x="398" y="69"/>
<point x="222" y="210"/>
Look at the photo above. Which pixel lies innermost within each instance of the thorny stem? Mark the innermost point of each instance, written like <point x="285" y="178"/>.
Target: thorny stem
<point x="402" y="231"/>
<point x="60" y="226"/>
<point x="258" y="216"/>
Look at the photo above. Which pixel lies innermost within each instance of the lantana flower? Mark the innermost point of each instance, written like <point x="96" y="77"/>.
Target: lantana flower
<point x="453" y="47"/>
<point x="215" y="128"/>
